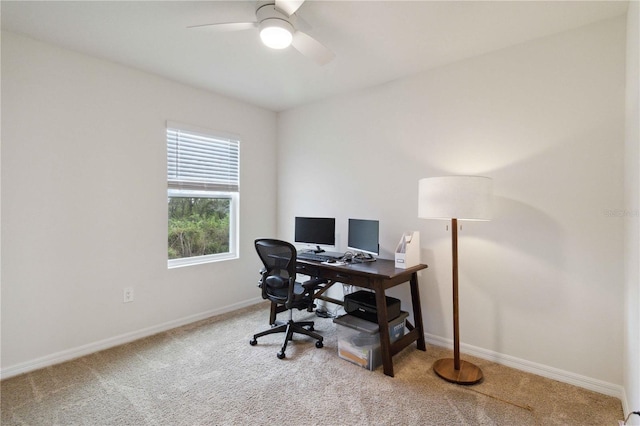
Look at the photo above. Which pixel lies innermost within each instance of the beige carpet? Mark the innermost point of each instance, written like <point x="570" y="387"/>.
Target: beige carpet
<point x="207" y="374"/>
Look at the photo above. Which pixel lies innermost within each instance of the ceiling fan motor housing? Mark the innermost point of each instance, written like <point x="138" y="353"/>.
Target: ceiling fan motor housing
<point x="268" y="10"/>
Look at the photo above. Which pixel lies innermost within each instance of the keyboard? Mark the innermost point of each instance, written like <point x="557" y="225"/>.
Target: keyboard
<point x="317" y="257"/>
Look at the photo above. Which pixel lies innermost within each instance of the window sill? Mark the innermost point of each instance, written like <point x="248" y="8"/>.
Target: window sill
<point x="199" y="260"/>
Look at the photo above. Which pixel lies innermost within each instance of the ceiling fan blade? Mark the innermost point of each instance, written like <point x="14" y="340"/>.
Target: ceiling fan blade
<point x="289" y="6"/>
<point x="311" y="48"/>
<point x="225" y="27"/>
<point x="300" y="24"/>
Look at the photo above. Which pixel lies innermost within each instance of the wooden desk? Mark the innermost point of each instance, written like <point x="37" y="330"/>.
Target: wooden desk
<point x="378" y="276"/>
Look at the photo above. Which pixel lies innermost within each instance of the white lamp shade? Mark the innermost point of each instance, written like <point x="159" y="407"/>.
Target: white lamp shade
<point x="455" y="197"/>
<point x="276" y="33"/>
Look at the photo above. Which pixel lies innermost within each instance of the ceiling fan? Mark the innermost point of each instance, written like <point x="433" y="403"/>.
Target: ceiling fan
<point x="276" y="20"/>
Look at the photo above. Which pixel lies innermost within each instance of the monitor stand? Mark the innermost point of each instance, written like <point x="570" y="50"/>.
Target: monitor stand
<point x="330" y="254"/>
<point x="363" y="257"/>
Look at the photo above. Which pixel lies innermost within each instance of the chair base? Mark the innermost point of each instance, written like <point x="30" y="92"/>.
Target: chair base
<point x="289" y="328"/>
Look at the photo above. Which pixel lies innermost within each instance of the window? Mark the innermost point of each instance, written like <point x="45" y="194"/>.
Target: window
<point x="203" y="192"/>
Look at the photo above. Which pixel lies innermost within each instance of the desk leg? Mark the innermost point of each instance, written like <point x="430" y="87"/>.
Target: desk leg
<point x="273" y="313"/>
<point x="383" y="325"/>
<point x="417" y="311"/>
<point x="275" y="310"/>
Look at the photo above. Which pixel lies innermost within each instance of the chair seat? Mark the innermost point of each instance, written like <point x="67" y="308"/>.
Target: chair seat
<point x="281" y="294"/>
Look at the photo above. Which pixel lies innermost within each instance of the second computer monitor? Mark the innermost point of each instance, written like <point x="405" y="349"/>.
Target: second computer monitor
<point x="363" y="236"/>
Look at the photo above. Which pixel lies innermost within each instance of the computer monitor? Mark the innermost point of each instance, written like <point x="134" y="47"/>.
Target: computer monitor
<point x="363" y="236"/>
<point x="315" y="230"/>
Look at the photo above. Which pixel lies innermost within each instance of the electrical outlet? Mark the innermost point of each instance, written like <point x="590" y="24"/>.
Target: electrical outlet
<point x="128" y="294"/>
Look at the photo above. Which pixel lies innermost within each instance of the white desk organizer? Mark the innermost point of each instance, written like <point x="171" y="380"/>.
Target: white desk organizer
<point x="408" y="250"/>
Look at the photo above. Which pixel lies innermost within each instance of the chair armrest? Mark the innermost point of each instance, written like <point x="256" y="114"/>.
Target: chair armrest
<point x="261" y="272"/>
<point x="313" y="283"/>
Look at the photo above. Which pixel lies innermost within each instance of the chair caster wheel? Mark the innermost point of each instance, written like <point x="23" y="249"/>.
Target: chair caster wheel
<point x="253" y="342"/>
<point x="281" y="355"/>
<point x="319" y="344"/>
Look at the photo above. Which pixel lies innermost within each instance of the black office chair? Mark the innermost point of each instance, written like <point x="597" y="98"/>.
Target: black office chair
<point x="279" y="285"/>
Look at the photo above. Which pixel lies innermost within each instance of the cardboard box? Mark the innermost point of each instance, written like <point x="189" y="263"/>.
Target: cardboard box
<point x="359" y="339"/>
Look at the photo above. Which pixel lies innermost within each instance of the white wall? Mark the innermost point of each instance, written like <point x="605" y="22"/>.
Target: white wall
<point x="542" y="284"/>
<point x="632" y="216"/>
<point x="84" y="204"/>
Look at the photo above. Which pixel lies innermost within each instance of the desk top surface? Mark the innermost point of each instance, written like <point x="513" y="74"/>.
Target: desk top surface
<point x="384" y="268"/>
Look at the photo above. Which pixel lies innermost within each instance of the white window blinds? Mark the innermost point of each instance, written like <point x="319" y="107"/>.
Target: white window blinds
<point x="197" y="161"/>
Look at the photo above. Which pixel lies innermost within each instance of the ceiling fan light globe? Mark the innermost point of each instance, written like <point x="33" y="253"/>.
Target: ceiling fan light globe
<point x="276" y="34"/>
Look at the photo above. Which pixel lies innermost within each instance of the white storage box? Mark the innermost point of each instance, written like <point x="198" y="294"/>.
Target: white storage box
<point x="408" y="250"/>
<point x="359" y="339"/>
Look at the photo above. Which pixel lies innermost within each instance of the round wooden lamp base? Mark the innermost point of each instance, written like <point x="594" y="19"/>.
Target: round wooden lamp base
<point x="468" y="374"/>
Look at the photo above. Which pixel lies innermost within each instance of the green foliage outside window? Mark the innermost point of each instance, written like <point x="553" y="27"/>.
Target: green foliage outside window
<point x="198" y="226"/>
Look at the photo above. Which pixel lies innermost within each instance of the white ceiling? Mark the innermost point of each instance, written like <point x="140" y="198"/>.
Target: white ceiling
<point x="374" y="41"/>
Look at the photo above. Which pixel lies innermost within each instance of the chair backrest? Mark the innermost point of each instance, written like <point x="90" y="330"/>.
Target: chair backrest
<point x="279" y="274"/>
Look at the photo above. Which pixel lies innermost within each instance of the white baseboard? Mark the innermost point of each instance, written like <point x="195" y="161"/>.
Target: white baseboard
<point x="67" y="355"/>
<point x="563" y="376"/>
<point x="626" y="409"/>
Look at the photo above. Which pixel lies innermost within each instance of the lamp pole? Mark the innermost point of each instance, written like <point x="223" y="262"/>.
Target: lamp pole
<point x="455" y="370"/>
<point x="456" y="317"/>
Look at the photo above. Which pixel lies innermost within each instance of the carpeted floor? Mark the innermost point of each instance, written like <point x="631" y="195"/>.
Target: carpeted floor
<point x="206" y="373"/>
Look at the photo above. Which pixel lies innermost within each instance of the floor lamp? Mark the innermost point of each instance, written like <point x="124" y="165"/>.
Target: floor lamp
<point x="455" y="198"/>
